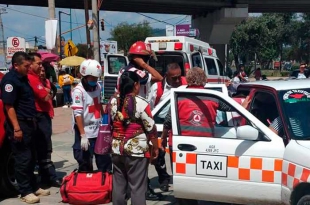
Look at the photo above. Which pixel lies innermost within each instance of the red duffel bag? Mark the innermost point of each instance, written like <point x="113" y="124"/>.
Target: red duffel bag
<point x="87" y="188"/>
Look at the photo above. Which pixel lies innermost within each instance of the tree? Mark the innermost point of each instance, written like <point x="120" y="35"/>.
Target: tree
<point x="264" y="37"/>
<point x="126" y="34"/>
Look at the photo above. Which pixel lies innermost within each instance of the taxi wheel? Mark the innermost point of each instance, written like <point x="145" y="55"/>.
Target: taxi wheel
<point x="187" y="201"/>
<point x="8" y="185"/>
<point x="305" y="200"/>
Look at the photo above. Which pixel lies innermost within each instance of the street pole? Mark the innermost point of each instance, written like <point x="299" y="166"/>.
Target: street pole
<point x="60" y="50"/>
<point x="51" y="9"/>
<point x="99" y="38"/>
<point x="60" y="38"/>
<point x="95" y="29"/>
<point x="87" y="30"/>
<point x="51" y="13"/>
<point x="71" y="24"/>
<point x="3" y="11"/>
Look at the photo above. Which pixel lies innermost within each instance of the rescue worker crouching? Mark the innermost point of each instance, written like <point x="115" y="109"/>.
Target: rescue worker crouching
<point x="87" y="112"/>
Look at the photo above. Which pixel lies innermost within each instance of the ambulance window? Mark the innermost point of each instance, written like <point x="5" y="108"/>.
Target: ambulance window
<point x="163" y="59"/>
<point x="203" y="115"/>
<point x="115" y="63"/>
<point x="196" y="60"/>
<point x="221" y="67"/>
<point x="211" y="66"/>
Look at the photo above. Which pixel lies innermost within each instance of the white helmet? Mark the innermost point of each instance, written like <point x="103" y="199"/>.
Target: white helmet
<point x="90" y="67"/>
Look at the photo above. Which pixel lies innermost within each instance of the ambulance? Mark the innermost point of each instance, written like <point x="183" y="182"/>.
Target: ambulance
<point x="245" y="162"/>
<point x="112" y="63"/>
<point x="187" y="52"/>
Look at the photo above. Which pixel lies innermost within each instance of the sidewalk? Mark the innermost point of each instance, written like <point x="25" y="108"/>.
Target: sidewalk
<point x="65" y="163"/>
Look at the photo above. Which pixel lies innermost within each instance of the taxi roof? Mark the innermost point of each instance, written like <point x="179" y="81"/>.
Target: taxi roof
<point x="287" y="84"/>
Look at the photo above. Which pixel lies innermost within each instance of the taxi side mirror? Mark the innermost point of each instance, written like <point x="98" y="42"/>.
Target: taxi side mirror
<point x="247" y="132"/>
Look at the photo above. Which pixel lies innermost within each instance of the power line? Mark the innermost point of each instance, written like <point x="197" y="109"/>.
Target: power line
<point x="78" y="29"/>
<point x="37" y="15"/>
<point x="165" y="20"/>
<point x="16" y="31"/>
<point x="154" y="19"/>
<point x="181" y="20"/>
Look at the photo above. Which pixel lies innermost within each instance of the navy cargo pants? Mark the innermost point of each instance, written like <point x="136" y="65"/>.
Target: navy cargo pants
<point x="24" y="156"/>
<point x="43" y="140"/>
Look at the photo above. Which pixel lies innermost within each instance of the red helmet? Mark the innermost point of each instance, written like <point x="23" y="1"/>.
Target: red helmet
<point x="140" y="48"/>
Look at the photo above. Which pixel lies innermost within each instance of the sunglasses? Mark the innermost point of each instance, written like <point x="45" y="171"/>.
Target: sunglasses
<point x="175" y="78"/>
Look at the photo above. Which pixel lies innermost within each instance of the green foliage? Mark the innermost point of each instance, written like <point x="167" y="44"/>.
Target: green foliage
<point x="272" y="37"/>
<point x="126" y="34"/>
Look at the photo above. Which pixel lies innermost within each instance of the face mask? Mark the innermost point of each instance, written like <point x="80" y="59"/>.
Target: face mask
<point x="92" y="83"/>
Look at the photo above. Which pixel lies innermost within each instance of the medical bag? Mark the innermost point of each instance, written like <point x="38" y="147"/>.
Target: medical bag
<point x="87" y="188"/>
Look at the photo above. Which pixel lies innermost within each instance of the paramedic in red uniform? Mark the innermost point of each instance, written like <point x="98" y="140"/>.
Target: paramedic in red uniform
<point x="195" y="110"/>
<point x="43" y="135"/>
<point x="158" y="92"/>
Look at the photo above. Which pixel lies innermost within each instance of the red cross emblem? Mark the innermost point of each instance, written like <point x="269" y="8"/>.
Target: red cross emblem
<point x="95" y="108"/>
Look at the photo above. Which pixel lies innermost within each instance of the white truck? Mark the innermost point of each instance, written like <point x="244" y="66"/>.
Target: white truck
<point x="246" y="163"/>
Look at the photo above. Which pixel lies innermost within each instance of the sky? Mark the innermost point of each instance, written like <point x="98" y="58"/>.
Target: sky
<point x="27" y="22"/>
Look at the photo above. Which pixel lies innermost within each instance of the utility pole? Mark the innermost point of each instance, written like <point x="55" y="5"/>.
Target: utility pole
<point x="71" y="23"/>
<point x="87" y="30"/>
<point x="60" y="37"/>
<point x="52" y="15"/>
<point x="95" y="30"/>
<point x="51" y="9"/>
<point x="3" y="11"/>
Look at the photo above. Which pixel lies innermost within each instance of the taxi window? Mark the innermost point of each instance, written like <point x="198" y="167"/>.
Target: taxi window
<point x="204" y="116"/>
<point x="296" y="107"/>
<point x="211" y="66"/>
<point x="115" y="63"/>
<point x="160" y="116"/>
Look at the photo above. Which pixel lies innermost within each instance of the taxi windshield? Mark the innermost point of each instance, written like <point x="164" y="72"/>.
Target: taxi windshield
<point x="296" y="108"/>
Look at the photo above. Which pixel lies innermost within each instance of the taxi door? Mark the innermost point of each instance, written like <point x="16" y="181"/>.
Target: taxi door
<point x="240" y="164"/>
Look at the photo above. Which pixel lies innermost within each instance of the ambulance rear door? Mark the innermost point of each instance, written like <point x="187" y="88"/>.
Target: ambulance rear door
<point x="197" y="60"/>
<point x="112" y="65"/>
<point x="239" y="164"/>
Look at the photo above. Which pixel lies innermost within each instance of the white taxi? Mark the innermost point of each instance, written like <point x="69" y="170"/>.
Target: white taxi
<point x="245" y="162"/>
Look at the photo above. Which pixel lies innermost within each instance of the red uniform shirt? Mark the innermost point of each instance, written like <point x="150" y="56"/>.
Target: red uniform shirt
<point x="47" y="83"/>
<point x="39" y="93"/>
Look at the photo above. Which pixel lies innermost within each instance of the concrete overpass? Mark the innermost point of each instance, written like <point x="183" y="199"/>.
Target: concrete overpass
<point x="215" y="19"/>
<point x="187" y="7"/>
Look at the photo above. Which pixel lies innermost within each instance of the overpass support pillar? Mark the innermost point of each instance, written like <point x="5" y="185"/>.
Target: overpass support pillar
<point x="216" y="28"/>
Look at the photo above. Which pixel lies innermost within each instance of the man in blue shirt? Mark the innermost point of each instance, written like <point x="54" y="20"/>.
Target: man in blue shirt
<point x="19" y="104"/>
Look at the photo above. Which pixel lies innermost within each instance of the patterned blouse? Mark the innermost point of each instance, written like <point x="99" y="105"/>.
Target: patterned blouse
<point x="133" y="128"/>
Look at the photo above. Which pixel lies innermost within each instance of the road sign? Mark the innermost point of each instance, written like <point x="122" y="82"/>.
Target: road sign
<point x="14" y="44"/>
<point x="70" y="49"/>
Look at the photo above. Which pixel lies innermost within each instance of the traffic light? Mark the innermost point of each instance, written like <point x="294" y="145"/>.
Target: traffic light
<point x="102" y="25"/>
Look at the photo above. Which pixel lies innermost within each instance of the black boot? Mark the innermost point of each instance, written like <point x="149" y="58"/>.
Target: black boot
<point x="151" y="195"/>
